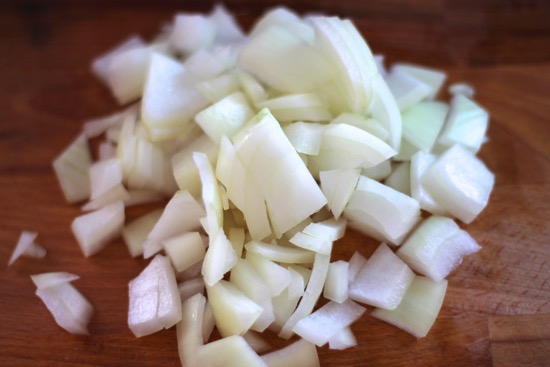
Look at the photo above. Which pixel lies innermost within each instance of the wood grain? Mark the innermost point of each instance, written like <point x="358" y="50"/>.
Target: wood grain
<point x="497" y="297"/>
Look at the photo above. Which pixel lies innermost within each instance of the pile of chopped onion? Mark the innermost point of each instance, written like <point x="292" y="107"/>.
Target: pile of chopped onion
<point x="267" y="146"/>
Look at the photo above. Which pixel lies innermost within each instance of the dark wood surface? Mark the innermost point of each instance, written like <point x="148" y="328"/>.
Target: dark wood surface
<point x="497" y="309"/>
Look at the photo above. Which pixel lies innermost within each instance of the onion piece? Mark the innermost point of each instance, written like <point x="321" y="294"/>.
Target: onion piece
<point x="382" y="212"/>
<point x="466" y="124"/>
<point x="423" y="122"/>
<point x="169" y="99"/>
<point x="100" y="65"/>
<point x="225" y="117"/>
<point x="71" y="168"/>
<point x="181" y="214"/>
<point x="135" y="233"/>
<point x="27" y="247"/>
<point x="208" y="322"/>
<point x="382" y="281"/>
<point x="460" y="183"/>
<point x="407" y="90"/>
<point x="432" y="77"/>
<point x="311" y="294"/>
<point x="184" y="168"/>
<point x="95" y="230"/>
<point x="254" y="90"/>
<point x="336" y="283"/>
<point x="228" y="31"/>
<point x="356" y="262"/>
<point x="192" y="32"/>
<point x="278" y="172"/>
<point x="284" y="61"/>
<point x="154" y="298"/>
<point x="384" y="109"/>
<point x="126" y="72"/>
<point x="437" y="247"/>
<point x="336" y="39"/>
<point x="305" y="137"/>
<point x="327" y="321"/>
<point x="184" y="250"/>
<point x="285" y="18"/>
<point x="210" y="194"/>
<point x="343" y="339"/>
<point x="234" y="312"/>
<point x="204" y="64"/>
<point x="285" y="302"/>
<point x="274" y="275"/>
<point x="217" y="88"/>
<point x="338" y="186"/>
<point x="189" y="329"/>
<point x="53" y="279"/>
<point x="301" y="353"/>
<point x="219" y="258"/>
<point x="420" y="162"/>
<point x="419" y="308"/>
<point x="347" y="147"/>
<point x="312" y="243"/>
<point x="330" y="229"/>
<point x="242" y="190"/>
<point x="70" y="309"/>
<point x="245" y="277"/>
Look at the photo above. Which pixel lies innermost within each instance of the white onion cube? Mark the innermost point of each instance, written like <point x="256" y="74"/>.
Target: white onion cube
<point x="154" y="298"/>
<point x="382" y="281"/>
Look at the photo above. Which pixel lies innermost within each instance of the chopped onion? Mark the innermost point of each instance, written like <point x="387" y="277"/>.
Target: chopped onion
<point x="245" y="277"/>
<point x="189" y="329"/>
<point x="184" y="250"/>
<point x="71" y="168"/>
<point x="460" y="183"/>
<point x="95" y="230"/>
<point x="311" y="294"/>
<point x="382" y="281"/>
<point x="27" y="247"/>
<point x="336" y="284"/>
<point x="245" y="124"/>
<point x="53" y="279"/>
<point x="382" y="212"/>
<point x="343" y="339"/>
<point x="466" y="124"/>
<point x="154" y="298"/>
<point x="181" y="214"/>
<point x="327" y="321"/>
<point x="234" y="312"/>
<point x="70" y="309"/>
<point x="436" y="247"/>
<point x="417" y="311"/>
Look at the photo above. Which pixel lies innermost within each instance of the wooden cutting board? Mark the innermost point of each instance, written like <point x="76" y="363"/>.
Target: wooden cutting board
<point x="497" y="308"/>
